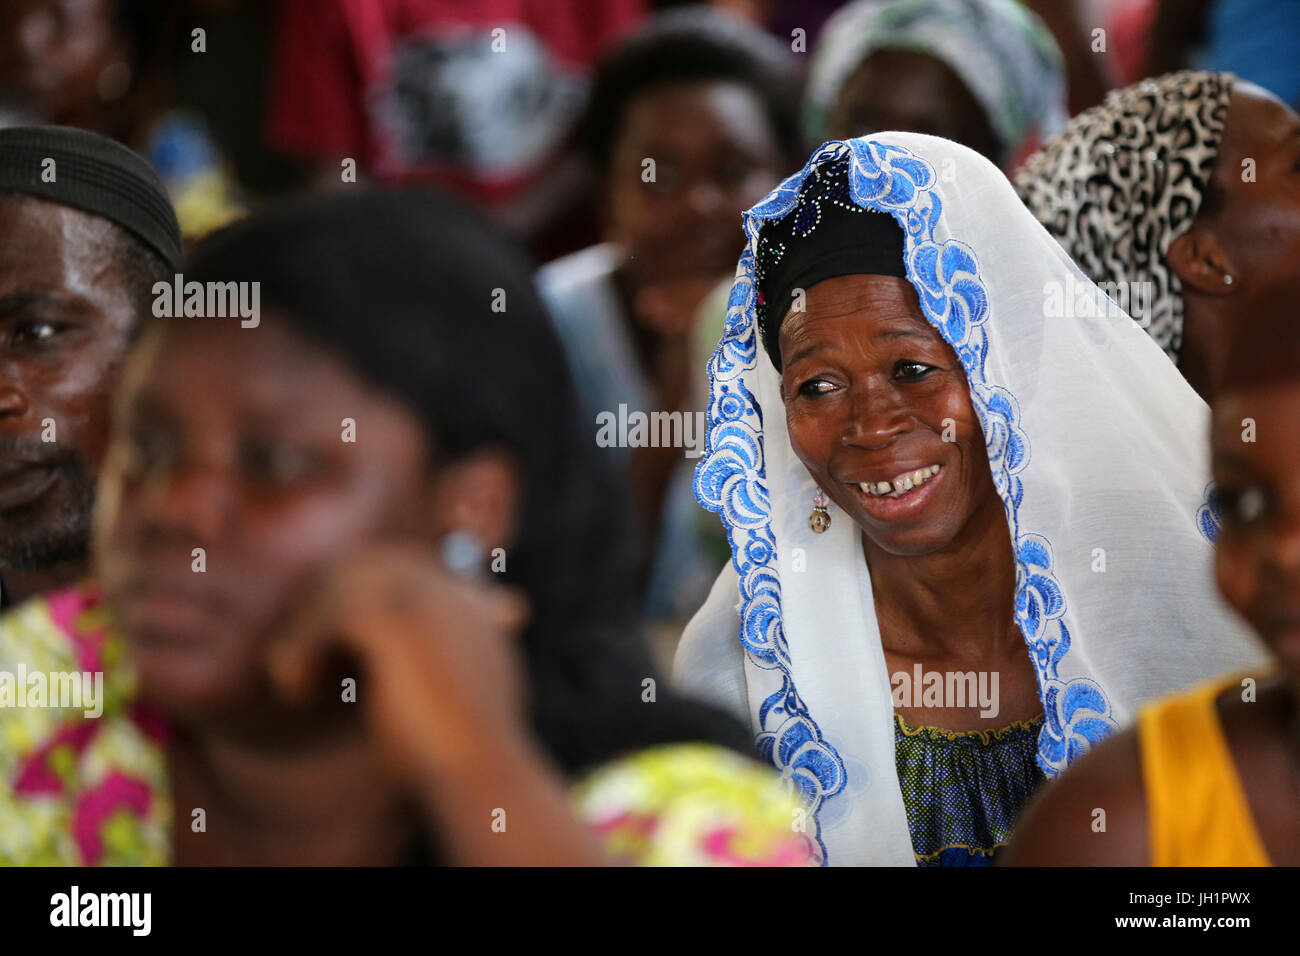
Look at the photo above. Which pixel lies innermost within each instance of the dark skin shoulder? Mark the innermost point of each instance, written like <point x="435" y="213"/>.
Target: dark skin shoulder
<point x="1258" y="732"/>
<point x="1057" y="828"/>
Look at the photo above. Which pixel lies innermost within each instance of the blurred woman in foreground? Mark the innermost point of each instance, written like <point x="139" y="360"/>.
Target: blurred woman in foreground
<point x="307" y="657"/>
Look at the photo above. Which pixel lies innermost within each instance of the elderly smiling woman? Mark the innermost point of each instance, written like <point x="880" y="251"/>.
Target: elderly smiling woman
<point x="1004" y="498"/>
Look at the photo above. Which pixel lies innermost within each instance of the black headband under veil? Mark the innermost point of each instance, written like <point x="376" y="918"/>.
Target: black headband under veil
<point x="824" y="236"/>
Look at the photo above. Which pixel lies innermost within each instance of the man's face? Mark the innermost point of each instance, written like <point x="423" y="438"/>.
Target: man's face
<point x="65" y="319"/>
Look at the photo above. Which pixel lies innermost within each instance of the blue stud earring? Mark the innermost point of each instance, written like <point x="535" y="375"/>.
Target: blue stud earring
<point x="463" y="554"/>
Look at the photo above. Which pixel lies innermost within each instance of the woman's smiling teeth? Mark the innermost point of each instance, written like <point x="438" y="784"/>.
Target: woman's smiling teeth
<point x="900" y="485"/>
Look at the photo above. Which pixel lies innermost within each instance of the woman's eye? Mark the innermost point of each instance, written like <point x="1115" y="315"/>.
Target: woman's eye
<point x="146" y="450"/>
<point x="34" y="332"/>
<point x="1244" y="506"/>
<point x="815" y="386"/>
<point x="276" y="465"/>
<point x="908" y="369"/>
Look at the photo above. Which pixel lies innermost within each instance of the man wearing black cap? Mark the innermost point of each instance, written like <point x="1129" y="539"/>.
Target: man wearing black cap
<point x="85" y="230"/>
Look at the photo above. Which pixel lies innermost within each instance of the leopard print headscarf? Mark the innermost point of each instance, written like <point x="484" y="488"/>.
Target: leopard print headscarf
<point x="1124" y="180"/>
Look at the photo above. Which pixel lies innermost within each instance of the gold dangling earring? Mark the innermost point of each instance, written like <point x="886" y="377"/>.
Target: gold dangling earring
<point x="820" y="519"/>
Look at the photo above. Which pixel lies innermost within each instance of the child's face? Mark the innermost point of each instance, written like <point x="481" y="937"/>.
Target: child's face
<point x="1256" y="459"/>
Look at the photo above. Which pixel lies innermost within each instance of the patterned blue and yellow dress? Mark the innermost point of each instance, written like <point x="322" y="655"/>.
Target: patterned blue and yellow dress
<point x="964" y="790"/>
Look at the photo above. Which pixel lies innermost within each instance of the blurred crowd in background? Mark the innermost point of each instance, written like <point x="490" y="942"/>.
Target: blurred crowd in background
<point x="543" y="113"/>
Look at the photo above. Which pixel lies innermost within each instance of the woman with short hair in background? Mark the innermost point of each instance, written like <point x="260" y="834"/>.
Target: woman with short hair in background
<point x="690" y="121"/>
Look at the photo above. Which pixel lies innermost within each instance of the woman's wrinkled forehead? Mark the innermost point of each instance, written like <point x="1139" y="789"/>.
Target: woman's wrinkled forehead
<point x="861" y="311"/>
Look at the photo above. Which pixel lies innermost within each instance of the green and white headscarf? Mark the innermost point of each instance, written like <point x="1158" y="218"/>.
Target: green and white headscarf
<point x="1002" y="52"/>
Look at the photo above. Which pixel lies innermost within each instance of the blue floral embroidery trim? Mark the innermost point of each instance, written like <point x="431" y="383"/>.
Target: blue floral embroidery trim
<point x="731" y="476"/>
<point x="1209" y="516"/>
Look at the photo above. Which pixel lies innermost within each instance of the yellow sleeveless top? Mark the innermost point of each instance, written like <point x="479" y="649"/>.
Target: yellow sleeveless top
<point x="1196" y="807"/>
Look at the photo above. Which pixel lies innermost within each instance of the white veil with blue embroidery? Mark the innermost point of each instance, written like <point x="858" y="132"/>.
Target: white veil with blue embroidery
<point x="1098" y="448"/>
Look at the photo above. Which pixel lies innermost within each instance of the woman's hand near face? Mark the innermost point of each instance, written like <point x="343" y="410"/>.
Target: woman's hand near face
<point x="440" y="685"/>
<point x="437" y="669"/>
